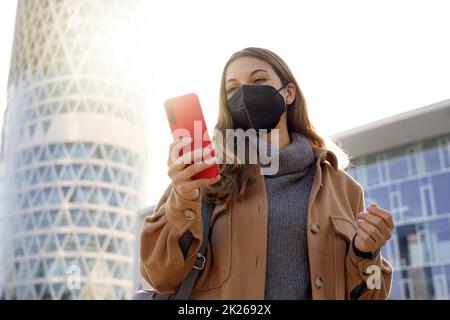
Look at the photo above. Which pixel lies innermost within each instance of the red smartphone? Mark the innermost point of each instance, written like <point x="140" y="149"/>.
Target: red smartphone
<point x="185" y="117"/>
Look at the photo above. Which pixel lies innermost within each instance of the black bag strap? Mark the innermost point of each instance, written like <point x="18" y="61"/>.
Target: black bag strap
<point x="185" y="242"/>
<point x="185" y="289"/>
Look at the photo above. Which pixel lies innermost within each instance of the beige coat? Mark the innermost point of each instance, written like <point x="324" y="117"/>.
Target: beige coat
<point x="236" y="257"/>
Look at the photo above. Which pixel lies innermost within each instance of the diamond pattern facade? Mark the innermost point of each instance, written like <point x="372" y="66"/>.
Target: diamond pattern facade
<point x="73" y="152"/>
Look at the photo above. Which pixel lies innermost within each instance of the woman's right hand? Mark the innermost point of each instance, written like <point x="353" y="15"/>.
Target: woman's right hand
<point x="181" y="170"/>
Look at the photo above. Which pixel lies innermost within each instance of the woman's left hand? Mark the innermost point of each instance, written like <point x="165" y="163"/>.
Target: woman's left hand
<point x="373" y="229"/>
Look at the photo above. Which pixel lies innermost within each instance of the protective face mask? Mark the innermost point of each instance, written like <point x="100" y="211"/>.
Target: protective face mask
<point x="257" y="107"/>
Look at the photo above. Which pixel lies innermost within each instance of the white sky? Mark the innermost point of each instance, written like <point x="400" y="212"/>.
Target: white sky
<point x="356" y="61"/>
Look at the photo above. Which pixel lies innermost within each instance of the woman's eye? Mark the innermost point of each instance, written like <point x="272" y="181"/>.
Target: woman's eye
<point x="259" y="80"/>
<point x="231" y="90"/>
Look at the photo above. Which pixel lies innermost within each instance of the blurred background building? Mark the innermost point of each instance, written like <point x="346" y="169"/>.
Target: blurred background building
<point x="403" y="163"/>
<point x="73" y="152"/>
<point x="139" y="282"/>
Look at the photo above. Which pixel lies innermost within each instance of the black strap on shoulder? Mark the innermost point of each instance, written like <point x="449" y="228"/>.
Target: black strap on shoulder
<point x="185" y="242"/>
<point x="185" y="289"/>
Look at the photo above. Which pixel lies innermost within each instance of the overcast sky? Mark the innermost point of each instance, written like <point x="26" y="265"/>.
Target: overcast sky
<point x="356" y="61"/>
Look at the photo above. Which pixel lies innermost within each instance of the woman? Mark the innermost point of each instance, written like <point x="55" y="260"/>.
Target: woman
<point x="299" y="233"/>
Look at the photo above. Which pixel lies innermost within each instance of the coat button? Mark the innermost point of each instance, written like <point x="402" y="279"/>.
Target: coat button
<point x="189" y="214"/>
<point x="195" y="193"/>
<point x="318" y="282"/>
<point x="315" y="228"/>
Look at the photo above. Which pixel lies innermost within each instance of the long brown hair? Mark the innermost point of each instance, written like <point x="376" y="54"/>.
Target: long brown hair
<point x="239" y="180"/>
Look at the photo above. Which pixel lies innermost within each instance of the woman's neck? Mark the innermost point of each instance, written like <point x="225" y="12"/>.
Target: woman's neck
<point x="283" y="139"/>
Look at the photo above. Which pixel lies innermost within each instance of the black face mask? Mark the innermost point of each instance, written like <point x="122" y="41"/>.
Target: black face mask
<point x="257" y="107"/>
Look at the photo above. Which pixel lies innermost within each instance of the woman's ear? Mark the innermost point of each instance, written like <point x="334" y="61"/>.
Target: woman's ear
<point x="291" y="90"/>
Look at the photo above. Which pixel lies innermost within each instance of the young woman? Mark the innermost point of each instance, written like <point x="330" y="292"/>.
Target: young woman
<point x="299" y="233"/>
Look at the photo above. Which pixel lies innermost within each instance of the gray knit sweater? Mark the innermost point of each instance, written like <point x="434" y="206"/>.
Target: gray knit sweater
<point x="288" y="190"/>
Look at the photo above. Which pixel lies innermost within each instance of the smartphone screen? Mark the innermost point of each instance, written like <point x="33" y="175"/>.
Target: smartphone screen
<point x="185" y="117"/>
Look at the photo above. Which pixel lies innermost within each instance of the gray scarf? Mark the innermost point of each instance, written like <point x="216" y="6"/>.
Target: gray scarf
<point x="288" y="190"/>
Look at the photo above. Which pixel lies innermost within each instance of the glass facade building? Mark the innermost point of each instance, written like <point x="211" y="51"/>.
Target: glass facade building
<point x="73" y="152"/>
<point x="139" y="282"/>
<point x="413" y="182"/>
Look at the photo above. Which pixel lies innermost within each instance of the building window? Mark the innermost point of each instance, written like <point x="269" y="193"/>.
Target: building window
<point x="439" y="233"/>
<point x="427" y="200"/>
<point x="380" y="196"/>
<point x="444" y="148"/>
<point x="412" y="245"/>
<point x="393" y="250"/>
<point x="441" y="189"/>
<point x="422" y="281"/>
<point x="447" y="276"/>
<point x="406" y="286"/>
<point x="398" y="168"/>
<point x="396" y="289"/>
<point x="382" y="168"/>
<point x="432" y="161"/>
<point x="440" y="287"/>
<point x="410" y="192"/>
<point x="412" y="161"/>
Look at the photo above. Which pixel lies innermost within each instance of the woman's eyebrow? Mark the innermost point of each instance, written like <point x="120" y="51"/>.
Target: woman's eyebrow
<point x="251" y="73"/>
<point x="257" y="70"/>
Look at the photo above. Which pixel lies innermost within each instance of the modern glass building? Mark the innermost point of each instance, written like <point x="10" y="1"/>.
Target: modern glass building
<point x="403" y="163"/>
<point x="139" y="282"/>
<point x="73" y="152"/>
